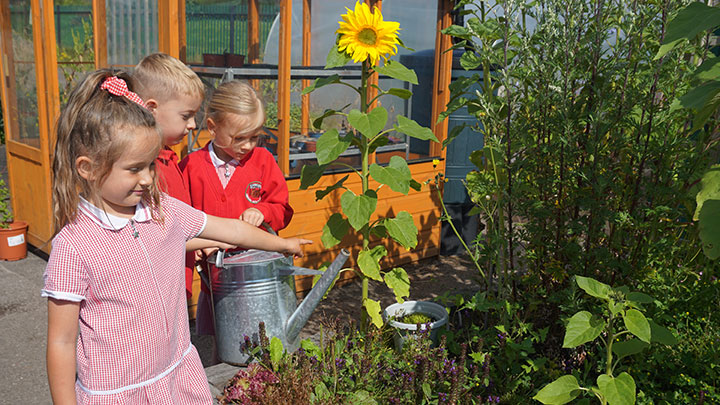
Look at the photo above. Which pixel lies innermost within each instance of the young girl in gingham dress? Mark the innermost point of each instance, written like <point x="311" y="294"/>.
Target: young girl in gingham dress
<point x="115" y="273"/>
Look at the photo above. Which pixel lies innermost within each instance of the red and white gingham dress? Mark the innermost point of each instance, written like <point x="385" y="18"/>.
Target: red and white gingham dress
<point x="134" y="342"/>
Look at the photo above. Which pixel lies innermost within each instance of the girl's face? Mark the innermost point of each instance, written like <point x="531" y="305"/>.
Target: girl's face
<point x="232" y="138"/>
<point x="131" y="175"/>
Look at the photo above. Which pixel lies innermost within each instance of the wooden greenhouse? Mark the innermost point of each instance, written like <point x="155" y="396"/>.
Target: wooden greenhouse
<point x="47" y="45"/>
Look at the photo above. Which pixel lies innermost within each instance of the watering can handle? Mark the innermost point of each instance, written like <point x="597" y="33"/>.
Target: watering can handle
<point x="221" y="253"/>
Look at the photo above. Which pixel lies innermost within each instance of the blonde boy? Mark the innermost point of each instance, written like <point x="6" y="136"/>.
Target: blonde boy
<point x="173" y="93"/>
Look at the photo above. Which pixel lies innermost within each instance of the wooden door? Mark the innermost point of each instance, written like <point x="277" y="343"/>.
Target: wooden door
<point x="29" y="108"/>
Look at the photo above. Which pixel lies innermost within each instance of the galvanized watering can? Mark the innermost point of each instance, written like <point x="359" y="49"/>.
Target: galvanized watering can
<point x="253" y="286"/>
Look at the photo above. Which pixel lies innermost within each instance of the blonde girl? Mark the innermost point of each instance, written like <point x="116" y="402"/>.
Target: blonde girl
<point x="117" y="317"/>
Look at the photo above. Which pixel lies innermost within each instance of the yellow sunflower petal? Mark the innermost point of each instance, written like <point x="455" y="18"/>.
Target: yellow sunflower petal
<point x="364" y="35"/>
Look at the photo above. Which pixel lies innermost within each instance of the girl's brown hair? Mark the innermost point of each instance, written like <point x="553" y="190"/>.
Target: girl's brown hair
<point x="236" y="97"/>
<point x="96" y="124"/>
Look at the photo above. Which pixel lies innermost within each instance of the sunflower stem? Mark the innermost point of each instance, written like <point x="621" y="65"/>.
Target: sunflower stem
<point x="365" y="149"/>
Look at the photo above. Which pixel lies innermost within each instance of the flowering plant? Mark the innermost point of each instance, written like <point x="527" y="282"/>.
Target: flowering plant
<point x="365" y="37"/>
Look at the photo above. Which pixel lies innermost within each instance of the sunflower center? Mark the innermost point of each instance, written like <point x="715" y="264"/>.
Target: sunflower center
<point x="367" y="36"/>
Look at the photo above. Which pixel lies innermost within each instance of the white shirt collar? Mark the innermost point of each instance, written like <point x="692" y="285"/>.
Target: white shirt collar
<point x="109" y="221"/>
<point x="217" y="162"/>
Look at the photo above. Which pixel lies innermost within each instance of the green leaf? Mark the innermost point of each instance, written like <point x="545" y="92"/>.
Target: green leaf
<point x="698" y="97"/>
<point x="310" y="175"/>
<point x="369" y="124"/>
<point x="583" y="327"/>
<point x="398" y="280"/>
<point x="427" y="391"/>
<point x="276" y="350"/>
<point x="470" y="60"/>
<point x="397" y="70"/>
<point x="409" y="127"/>
<point x="372" y="307"/>
<point x="320" y="194"/>
<point x="593" y="287"/>
<point x="360" y="397"/>
<point x="396" y="174"/>
<point x="358" y="208"/>
<point x="330" y="146"/>
<point x="628" y="347"/>
<point x="687" y="24"/>
<point x="660" y="334"/>
<point x="637" y="324"/>
<point x="402" y="93"/>
<point x="640" y="297"/>
<point x="369" y="261"/>
<point x="708" y="70"/>
<point x="454" y="132"/>
<point x="560" y="391"/>
<point x="336" y="58"/>
<point x="708" y="208"/>
<point x="403" y="230"/>
<point x="317" y="123"/>
<point x="321" y="393"/>
<point x="618" y="390"/>
<point x="310" y="347"/>
<point x="334" y="230"/>
<point x="320" y="82"/>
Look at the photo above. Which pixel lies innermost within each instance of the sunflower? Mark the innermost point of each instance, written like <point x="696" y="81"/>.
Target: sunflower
<point x="364" y="35"/>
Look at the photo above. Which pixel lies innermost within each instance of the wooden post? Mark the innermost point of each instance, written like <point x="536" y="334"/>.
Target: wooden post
<point x="253" y="35"/>
<point x="99" y="22"/>
<point x="283" y="96"/>
<point x="169" y="27"/>
<point x="182" y="30"/>
<point x="441" y="77"/>
<point x="306" y="54"/>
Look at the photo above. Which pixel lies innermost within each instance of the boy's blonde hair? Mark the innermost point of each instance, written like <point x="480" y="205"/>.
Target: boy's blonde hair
<point x="236" y="97"/>
<point x="99" y="125"/>
<point x="160" y="76"/>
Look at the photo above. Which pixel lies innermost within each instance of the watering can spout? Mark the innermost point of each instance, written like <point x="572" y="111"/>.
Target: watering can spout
<point x="305" y="309"/>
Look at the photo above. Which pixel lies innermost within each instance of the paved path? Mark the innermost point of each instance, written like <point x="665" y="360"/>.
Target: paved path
<point x="23" y="328"/>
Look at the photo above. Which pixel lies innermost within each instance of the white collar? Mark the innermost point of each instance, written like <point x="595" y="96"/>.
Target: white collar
<point x="110" y="221"/>
<point x="217" y="162"/>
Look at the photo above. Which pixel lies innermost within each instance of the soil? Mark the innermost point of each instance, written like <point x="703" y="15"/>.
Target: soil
<point x="429" y="278"/>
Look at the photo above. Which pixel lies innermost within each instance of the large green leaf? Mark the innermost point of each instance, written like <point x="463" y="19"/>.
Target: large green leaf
<point x="336" y="58"/>
<point x="334" y="230"/>
<point x="583" y="327"/>
<point x="687" y="24"/>
<point x="398" y="280"/>
<point x="707" y="210"/>
<point x="320" y="194"/>
<point x="628" y="347"/>
<point x="358" y="208"/>
<point x="360" y="397"/>
<point x="661" y="334"/>
<point x="369" y="124"/>
<point x="402" y="229"/>
<point x="310" y="174"/>
<point x="317" y="123"/>
<point x="372" y="308"/>
<point x="560" y="391"/>
<point x="641" y="298"/>
<point x="708" y="70"/>
<point x="698" y="97"/>
<point x="397" y="70"/>
<point x="320" y="82"/>
<point x="470" y="60"/>
<point x="396" y="174"/>
<point x="593" y="287"/>
<point x="402" y="93"/>
<point x="409" y="127"/>
<point x="637" y="324"/>
<point x="330" y="145"/>
<point x="369" y="261"/>
<point x="618" y="390"/>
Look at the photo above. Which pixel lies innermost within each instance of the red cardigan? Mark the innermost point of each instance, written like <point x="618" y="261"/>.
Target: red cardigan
<point x="256" y="182"/>
<point x="170" y="176"/>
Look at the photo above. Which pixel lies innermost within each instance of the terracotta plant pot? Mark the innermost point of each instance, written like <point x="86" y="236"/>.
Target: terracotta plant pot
<point x="310" y="145"/>
<point x="214" y="59"/>
<point x="234" y="60"/>
<point x="13" y="245"/>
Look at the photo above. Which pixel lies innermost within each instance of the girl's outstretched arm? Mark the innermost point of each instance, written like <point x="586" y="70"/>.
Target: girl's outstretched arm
<point x="61" y="341"/>
<point x="240" y="233"/>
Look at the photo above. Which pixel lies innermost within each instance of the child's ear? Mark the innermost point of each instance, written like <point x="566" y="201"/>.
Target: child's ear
<point x="211" y="125"/>
<point x="83" y="165"/>
<point x="151" y="104"/>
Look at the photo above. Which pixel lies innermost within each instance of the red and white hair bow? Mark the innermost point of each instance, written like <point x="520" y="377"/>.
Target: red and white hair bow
<point x="117" y="86"/>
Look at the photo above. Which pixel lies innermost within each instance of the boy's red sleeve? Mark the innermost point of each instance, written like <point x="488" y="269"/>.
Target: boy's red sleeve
<point x="274" y="203"/>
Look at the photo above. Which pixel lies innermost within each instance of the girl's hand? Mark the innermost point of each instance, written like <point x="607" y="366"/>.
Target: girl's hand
<point x="253" y="216"/>
<point x="294" y="246"/>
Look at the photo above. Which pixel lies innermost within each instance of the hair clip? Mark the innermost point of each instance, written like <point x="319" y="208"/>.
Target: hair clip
<point x="117" y="86"/>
